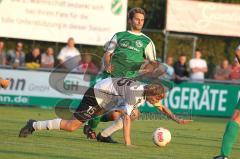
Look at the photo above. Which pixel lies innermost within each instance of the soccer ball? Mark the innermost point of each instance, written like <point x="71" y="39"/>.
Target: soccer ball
<point x="161" y="137"/>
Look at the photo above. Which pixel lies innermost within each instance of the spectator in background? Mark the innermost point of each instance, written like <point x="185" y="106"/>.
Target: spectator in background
<point x="33" y="59"/>
<point x="170" y="69"/>
<point x="2" y="54"/>
<point x="47" y="59"/>
<point x="180" y="68"/>
<point x="237" y="53"/>
<point x="67" y="53"/>
<point x="223" y="71"/>
<point x="235" y="70"/>
<point x="16" y="58"/>
<point x="198" y="66"/>
<point x="86" y="65"/>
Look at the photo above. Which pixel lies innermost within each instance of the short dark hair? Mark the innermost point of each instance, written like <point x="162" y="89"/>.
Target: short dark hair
<point x="198" y="50"/>
<point x="133" y="11"/>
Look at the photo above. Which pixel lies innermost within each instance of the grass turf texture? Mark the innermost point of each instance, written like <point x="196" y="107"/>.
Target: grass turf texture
<point x="198" y="140"/>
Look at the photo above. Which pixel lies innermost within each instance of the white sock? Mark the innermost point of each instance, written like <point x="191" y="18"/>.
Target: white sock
<point x="47" y="124"/>
<point x="117" y="125"/>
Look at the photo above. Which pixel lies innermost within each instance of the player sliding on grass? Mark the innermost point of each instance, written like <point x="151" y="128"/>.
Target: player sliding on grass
<point x="232" y="127"/>
<point x="101" y="98"/>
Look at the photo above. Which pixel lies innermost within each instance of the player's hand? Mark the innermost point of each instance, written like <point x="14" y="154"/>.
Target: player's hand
<point x="182" y="121"/>
<point x="4" y="83"/>
<point x="108" y="68"/>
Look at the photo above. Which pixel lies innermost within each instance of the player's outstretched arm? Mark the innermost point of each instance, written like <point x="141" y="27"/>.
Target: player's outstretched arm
<point x="127" y="129"/>
<point x="168" y="113"/>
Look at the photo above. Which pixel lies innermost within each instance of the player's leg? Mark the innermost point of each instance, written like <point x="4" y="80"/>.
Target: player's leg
<point x="230" y="134"/>
<point x="105" y="135"/>
<point x="55" y="124"/>
<point x="110" y="116"/>
<point x="90" y="127"/>
<point x="87" y="109"/>
<point x="93" y="123"/>
<point x="117" y="124"/>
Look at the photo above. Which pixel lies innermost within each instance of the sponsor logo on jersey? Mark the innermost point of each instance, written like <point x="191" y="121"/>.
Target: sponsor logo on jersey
<point x="124" y="43"/>
<point x="139" y="43"/>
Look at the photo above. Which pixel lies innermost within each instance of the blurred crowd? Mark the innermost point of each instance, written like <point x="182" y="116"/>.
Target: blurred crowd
<point x="182" y="69"/>
<point x="47" y="59"/>
<point x="197" y="67"/>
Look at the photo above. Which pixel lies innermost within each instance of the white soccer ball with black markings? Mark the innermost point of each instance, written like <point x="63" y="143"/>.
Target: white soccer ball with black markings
<point x="161" y="137"/>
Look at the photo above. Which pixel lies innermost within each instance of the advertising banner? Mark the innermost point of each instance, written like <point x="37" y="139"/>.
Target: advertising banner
<point x="201" y="99"/>
<point x="89" y="22"/>
<point x="203" y="17"/>
<point x="33" y="88"/>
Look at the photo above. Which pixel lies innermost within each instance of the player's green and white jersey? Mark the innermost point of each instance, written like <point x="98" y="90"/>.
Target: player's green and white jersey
<point x="114" y="92"/>
<point x="128" y="53"/>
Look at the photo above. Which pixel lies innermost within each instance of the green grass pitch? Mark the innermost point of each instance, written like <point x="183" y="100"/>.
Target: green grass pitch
<point x="198" y="140"/>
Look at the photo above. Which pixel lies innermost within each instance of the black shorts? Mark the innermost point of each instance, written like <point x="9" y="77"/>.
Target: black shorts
<point x="88" y="108"/>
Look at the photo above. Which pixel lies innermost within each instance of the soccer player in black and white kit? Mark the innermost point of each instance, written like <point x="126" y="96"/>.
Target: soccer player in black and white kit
<point x="104" y="96"/>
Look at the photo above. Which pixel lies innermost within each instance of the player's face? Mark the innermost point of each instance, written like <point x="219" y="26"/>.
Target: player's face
<point x="152" y="99"/>
<point x="137" y="22"/>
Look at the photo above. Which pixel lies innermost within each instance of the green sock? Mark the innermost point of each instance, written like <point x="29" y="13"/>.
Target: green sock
<point x="104" y="118"/>
<point x="229" y="138"/>
<point x="93" y="123"/>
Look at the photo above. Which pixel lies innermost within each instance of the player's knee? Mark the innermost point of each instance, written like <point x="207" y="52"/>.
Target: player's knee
<point x="72" y="126"/>
<point x="115" y="116"/>
<point x="71" y="129"/>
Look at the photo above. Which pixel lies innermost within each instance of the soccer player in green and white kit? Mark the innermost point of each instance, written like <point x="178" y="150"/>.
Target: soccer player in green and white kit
<point x="127" y="50"/>
<point x="232" y="127"/>
<point x="125" y="53"/>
